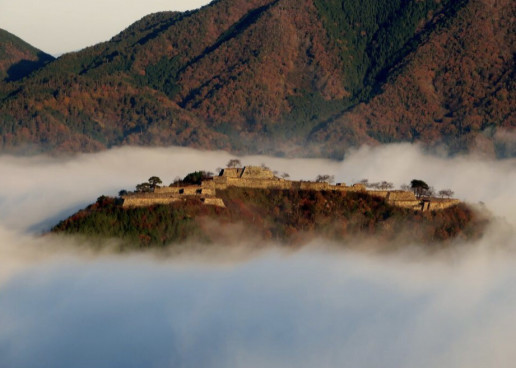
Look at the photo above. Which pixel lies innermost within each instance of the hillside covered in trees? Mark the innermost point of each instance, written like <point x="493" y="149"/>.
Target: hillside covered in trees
<point x="283" y="77"/>
<point x="18" y="59"/>
<point x="289" y="217"/>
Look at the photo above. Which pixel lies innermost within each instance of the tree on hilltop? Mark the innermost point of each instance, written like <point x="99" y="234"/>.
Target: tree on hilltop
<point x="385" y="185"/>
<point x="143" y="188"/>
<point x="419" y="187"/>
<point x="234" y="163"/>
<point x="405" y="187"/>
<point x="325" y="178"/>
<point x="448" y="193"/>
<point x="154" y="182"/>
<point x="196" y="177"/>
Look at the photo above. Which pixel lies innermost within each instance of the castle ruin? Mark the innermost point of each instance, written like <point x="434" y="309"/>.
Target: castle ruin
<point x="256" y="177"/>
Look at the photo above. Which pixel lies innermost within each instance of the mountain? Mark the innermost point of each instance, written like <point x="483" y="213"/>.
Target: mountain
<point x="17" y="58"/>
<point x="283" y="77"/>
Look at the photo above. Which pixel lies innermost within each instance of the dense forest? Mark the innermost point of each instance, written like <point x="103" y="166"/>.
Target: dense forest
<point x="289" y="217"/>
<point x="282" y="77"/>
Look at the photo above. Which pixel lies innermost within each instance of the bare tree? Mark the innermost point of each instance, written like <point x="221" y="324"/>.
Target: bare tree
<point x="405" y="187"/>
<point x="325" y="178"/>
<point x="448" y="193"/>
<point x="384" y="185"/>
<point x="430" y="192"/>
<point x="285" y="175"/>
<point x="233" y="163"/>
<point x="373" y="185"/>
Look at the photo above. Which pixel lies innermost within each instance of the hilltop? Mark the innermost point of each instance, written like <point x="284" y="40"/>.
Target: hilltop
<point x="252" y="202"/>
<point x="282" y="77"/>
<point x="18" y="59"/>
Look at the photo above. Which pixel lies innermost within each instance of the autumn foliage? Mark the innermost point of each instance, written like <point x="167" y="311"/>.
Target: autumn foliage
<point x="286" y="77"/>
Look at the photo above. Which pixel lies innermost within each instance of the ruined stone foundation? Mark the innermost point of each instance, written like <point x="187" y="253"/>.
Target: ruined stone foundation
<point x="256" y="177"/>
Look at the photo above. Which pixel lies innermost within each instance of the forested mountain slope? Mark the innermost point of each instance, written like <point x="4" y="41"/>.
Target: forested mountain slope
<point x="308" y="77"/>
<point x="17" y="58"/>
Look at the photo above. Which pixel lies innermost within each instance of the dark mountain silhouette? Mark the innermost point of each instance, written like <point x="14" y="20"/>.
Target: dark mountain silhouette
<point x="283" y="77"/>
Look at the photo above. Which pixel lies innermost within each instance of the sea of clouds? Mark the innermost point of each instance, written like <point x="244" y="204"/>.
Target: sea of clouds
<point x="64" y="306"/>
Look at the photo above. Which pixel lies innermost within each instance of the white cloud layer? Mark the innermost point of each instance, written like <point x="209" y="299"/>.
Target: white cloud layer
<point x="317" y="307"/>
<point x="58" y="26"/>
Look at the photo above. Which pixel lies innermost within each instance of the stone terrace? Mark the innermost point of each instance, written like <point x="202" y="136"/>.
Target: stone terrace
<point x="257" y="177"/>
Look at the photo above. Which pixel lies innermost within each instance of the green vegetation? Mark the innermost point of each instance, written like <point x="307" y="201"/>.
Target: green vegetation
<point x="193" y="178"/>
<point x="136" y="228"/>
<point x="419" y="187"/>
<point x="371" y="35"/>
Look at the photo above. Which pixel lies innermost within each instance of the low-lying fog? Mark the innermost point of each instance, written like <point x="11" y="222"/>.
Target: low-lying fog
<point x="61" y="306"/>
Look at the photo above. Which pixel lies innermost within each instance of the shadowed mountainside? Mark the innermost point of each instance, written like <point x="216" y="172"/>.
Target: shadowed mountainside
<point x="18" y="59"/>
<point x="282" y="77"/>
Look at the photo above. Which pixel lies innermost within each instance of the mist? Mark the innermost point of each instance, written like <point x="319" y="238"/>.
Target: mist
<point x="64" y="305"/>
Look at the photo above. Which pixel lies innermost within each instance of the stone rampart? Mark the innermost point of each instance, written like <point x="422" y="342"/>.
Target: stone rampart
<point x="248" y="172"/>
<point x="222" y="183"/>
<point x="308" y="185"/>
<point x="379" y="193"/>
<point x="400" y="195"/>
<point x="257" y="177"/>
<point x="259" y="183"/>
<point x="212" y="201"/>
<point x="231" y="173"/>
<point x="441" y="204"/>
<point x="257" y="172"/>
<point x="410" y="204"/>
<point x="137" y="201"/>
<point x="185" y="190"/>
<point x="357" y="188"/>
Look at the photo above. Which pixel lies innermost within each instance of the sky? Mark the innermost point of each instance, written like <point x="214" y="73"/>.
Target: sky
<point x="62" y="305"/>
<point x="59" y="26"/>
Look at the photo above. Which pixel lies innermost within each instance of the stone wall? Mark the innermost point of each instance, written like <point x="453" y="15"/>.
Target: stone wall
<point x="308" y="185"/>
<point x="412" y="205"/>
<point x="256" y="177"/>
<point x="248" y="172"/>
<point x="379" y="193"/>
<point x="440" y="204"/>
<point x="186" y="190"/>
<point x="222" y="183"/>
<point x="257" y="172"/>
<point x="231" y="172"/>
<point x="212" y="201"/>
<point x="140" y="201"/>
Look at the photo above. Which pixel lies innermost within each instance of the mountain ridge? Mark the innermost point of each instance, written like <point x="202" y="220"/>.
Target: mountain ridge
<point x="277" y="77"/>
<point x="18" y="59"/>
